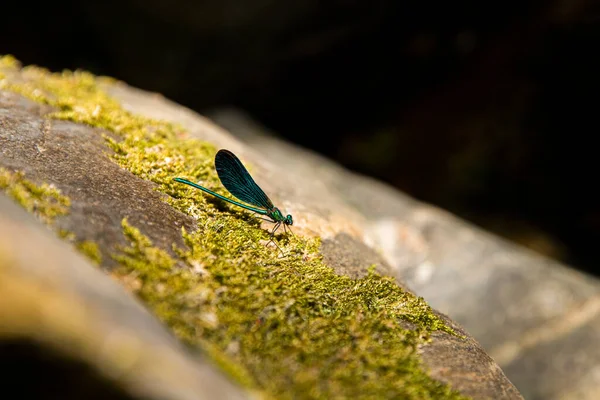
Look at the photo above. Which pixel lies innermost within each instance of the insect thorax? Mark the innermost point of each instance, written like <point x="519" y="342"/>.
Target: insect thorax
<point x="276" y="215"/>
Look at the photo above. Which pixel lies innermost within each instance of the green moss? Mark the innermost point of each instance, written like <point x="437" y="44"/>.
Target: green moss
<point x="76" y="97"/>
<point x="173" y="293"/>
<point x="91" y="250"/>
<point x="288" y="326"/>
<point x="88" y="248"/>
<point x="66" y="235"/>
<point x="44" y="201"/>
<point x="297" y="328"/>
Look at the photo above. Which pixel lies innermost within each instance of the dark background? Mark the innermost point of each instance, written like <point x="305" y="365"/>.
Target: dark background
<point x="487" y="109"/>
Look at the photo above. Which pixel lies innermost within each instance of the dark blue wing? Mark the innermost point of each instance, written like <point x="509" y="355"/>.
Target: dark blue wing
<point x="235" y="177"/>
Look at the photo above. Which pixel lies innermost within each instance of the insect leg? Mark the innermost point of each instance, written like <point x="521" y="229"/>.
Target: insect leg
<point x="290" y="229"/>
<point x="273" y="237"/>
<point x="281" y="251"/>
<point x="274" y="229"/>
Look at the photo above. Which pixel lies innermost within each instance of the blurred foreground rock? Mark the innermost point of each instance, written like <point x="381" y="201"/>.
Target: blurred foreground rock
<point x="58" y="303"/>
<point x="73" y="333"/>
<point x="539" y="319"/>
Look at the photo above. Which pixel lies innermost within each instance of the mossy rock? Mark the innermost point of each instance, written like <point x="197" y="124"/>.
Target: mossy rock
<point x="323" y="319"/>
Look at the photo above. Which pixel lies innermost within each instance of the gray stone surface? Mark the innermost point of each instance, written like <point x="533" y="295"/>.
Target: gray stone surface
<point x="539" y="319"/>
<point x="74" y="159"/>
<point x="53" y="297"/>
<point x="320" y="207"/>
